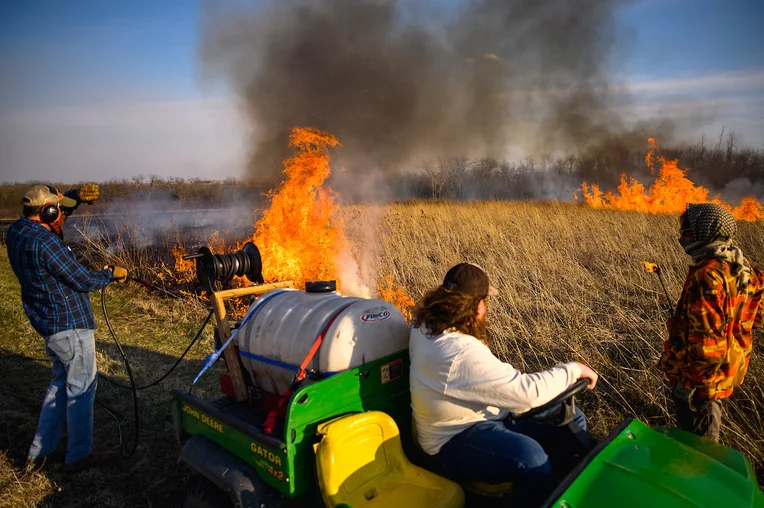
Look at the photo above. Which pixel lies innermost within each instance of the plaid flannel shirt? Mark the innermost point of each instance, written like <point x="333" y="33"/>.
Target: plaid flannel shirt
<point x="710" y="335"/>
<point x="55" y="287"/>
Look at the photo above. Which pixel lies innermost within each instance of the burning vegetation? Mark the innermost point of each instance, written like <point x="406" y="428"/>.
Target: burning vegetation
<point x="300" y="236"/>
<point x="669" y="194"/>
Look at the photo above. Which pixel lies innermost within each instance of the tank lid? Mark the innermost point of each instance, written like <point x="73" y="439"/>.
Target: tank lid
<point x="321" y="286"/>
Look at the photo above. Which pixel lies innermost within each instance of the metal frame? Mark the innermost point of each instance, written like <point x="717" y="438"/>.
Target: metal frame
<point x="218" y="299"/>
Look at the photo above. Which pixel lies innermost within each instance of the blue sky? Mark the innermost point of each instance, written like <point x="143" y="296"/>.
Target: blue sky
<point x="93" y="90"/>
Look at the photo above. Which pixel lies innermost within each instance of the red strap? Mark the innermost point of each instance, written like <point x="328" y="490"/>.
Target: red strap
<point x="270" y="422"/>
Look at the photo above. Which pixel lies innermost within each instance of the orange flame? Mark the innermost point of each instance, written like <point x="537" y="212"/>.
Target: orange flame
<point x="184" y="269"/>
<point x="396" y="295"/>
<point x="670" y="192"/>
<point x="300" y="236"/>
<point x="651" y="267"/>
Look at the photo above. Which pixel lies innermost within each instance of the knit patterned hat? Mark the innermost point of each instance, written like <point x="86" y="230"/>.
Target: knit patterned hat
<point x="709" y="221"/>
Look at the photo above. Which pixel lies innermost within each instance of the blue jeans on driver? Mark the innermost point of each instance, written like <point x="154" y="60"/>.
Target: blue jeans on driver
<point x="506" y="451"/>
<point x="70" y="396"/>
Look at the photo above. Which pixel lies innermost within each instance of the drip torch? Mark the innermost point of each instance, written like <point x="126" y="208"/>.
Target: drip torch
<point x="654" y="268"/>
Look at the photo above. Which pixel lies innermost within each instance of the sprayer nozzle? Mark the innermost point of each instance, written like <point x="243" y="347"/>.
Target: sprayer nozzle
<point x="208" y="362"/>
<point x="651" y="267"/>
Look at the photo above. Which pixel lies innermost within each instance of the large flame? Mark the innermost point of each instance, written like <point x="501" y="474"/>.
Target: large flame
<point x="300" y="236"/>
<point x="670" y="192"/>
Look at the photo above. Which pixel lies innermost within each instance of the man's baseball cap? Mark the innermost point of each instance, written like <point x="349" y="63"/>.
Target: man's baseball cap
<point x="41" y="195"/>
<point x="469" y="279"/>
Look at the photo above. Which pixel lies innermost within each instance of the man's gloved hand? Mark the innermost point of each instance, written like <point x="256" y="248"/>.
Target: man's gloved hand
<point x="119" y="274"/>
<point x="88" y="193"/>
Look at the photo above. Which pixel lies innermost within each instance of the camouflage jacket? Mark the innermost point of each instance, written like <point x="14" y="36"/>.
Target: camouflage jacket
<point x="710" y="334"/>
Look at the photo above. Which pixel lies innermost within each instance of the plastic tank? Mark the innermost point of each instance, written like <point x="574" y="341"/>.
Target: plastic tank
<point x="286" y="322"/>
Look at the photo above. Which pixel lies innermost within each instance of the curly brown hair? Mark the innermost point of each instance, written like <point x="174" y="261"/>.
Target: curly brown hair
<point x="443" y="308"/>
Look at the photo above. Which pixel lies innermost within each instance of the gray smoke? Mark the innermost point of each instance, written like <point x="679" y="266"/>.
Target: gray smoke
<point x="400" y="81"/>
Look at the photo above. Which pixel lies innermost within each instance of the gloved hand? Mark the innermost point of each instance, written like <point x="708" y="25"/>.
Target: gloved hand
<point x="88" y="193"/>
<point x="119" y="274"/>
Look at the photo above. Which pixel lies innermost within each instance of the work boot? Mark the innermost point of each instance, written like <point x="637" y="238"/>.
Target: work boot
<point x="55" y="457"/>
<point x="96" y="458"/>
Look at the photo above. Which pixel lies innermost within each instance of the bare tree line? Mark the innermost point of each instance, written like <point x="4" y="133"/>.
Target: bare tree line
<point x="459" y="177"/>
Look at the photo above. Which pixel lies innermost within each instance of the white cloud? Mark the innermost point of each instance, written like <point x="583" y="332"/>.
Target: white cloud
<point x="715" y="82"/>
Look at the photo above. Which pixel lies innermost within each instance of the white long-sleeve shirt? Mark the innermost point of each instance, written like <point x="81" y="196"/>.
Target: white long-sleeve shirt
<point x="457" y="382"/>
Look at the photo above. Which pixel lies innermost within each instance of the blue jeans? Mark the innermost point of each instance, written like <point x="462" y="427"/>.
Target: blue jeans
<point x="506" y="451"/>
<point x="70" y="396"/>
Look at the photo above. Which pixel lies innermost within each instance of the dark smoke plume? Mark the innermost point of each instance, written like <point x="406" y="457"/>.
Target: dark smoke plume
<point x="400" y="81"/>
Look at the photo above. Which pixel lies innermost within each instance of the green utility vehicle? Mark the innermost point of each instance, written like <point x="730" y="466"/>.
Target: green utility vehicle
<point x="346" y="440"/>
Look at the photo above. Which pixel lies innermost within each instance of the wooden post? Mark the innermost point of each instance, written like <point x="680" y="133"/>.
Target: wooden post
<point x="218" y="299"/>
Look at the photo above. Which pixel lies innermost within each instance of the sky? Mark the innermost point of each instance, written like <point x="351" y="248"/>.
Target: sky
<point x="92" y="90"/>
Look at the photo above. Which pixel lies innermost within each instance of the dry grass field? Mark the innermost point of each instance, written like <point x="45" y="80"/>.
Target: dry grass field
<point x="571" y="288"/>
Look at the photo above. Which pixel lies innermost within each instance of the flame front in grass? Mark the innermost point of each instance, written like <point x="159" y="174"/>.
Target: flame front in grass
<point x="396" y="295"/>
<point x="299" y="236"/>
<point x="670" y="192"/>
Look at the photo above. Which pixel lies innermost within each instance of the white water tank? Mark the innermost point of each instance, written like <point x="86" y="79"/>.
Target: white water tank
<point x="284" y="323"/>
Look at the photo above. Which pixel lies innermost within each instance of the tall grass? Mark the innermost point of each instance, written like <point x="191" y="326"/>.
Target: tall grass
<point x="571" y="283"/>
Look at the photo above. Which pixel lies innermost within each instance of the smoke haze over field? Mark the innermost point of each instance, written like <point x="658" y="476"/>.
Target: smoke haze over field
<point x="397" y="82"/>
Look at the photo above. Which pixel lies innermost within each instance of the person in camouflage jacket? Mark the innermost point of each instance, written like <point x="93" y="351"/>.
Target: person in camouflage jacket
<point x="710" y="334"/>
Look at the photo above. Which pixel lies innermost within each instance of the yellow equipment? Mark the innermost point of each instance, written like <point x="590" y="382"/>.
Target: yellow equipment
<point x="360" y="462"/>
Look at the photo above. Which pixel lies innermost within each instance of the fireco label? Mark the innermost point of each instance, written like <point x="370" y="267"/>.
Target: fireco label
<point x="209" y="422"/>
<point x="368" y="317"/>
<point x="392" y="371"/>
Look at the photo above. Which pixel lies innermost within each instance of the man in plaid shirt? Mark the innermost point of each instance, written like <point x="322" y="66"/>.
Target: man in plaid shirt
<point x="55" y="294"/>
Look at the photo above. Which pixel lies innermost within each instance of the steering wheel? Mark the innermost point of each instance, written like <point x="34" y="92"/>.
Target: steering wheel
<point x="573" y="390"/>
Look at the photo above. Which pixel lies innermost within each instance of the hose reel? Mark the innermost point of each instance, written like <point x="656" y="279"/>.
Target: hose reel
<point x="211" y="268"/>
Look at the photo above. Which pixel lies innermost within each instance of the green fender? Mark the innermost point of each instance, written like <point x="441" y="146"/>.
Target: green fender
<point x="638" y="466"/>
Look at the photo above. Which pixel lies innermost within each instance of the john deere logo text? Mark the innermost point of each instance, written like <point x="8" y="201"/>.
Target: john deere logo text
<point x="375" y="316"/>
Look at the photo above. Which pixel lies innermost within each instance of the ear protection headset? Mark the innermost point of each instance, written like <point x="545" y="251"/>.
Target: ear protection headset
<point x="49" y="213"/>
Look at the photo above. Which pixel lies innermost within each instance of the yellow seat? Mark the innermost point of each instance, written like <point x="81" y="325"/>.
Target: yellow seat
<point x="360" y="462"/>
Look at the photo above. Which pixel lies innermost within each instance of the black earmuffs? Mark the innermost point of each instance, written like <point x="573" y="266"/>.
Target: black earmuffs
<point x="49" y="213"/>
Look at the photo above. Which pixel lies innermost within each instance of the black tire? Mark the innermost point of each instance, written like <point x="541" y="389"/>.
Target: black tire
<point x="202" y="493"/>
